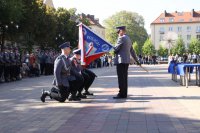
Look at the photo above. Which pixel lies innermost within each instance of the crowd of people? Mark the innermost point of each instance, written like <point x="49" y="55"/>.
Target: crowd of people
<point x="147" y="59"/>
<point x="103" y="61"/>
<point x="107" y="61"/>
<point x="186" y="58"/>
<point x="15" y="66"/>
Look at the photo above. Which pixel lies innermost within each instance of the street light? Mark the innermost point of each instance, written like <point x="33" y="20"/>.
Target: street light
<point x="17" y="26"/>
<point x="170" y="38"/>
<point x="59" y="38"/>
<point x="4" y="28"/>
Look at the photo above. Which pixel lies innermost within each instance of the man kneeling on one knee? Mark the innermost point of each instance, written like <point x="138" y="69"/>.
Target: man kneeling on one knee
<point x="65" y="78"/>
<point x="83" y="73"/>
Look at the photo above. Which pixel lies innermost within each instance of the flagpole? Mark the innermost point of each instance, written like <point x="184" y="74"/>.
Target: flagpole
<point x="81" y="44"/>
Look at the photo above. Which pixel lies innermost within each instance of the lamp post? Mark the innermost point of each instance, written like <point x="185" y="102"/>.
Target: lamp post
<point x="3" y="30"/>
<point x="170" y="38"/>
<point x="59" y="38"/>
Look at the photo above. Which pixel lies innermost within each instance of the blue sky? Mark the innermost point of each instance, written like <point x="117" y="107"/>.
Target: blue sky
<point x="149" y="9"/>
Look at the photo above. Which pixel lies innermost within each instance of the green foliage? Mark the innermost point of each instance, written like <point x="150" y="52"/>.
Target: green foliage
<point x="148" y="48"/>
<point x="136" y="48"/>
<point x="11" y="10"/>
<point x="194" y="46"/>
<point x="162" y="51"/>
<point x="38" y="24"/>
<point x="179" y="47"/>
<point x="134" y="24"/>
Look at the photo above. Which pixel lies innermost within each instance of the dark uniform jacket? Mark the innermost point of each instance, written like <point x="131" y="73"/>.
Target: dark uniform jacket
<point x="62" y="71"/>
<point x="6" y="58"/>
<point x="12" y="58"/>
<point x="123" y="50"/>
<point x="1" y="59"/>
<point x="76" y="66"/>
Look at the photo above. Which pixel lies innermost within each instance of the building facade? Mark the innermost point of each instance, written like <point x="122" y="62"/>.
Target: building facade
<point x="95" y="26"/>
<point x="181" y="24"/>
<point x="49" y="3"/>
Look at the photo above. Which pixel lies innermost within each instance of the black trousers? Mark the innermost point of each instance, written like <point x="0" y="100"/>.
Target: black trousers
<point x="47" y="68"/>
<point x="17" y="71"/>
<point x="59" y="94"/>
<point x="7" y="72"/>
<point x="122" y="73"/>
<point x="1" y="71"/>
<point x="12" y="71"/>
<point x="76" y="85"/>
<point x="89" y="77"/>
<point x="42" y="68"/>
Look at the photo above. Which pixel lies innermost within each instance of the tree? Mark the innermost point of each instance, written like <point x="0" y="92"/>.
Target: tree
<point x="134" y="24"/>
<point x="136" y="48"/>
<point x="11" y="11"/>
<point x="162" y="51"/>
<point x="179" y="47"/>
<point x="66" y="27"/>
<point x="148" y="48"/>
<point x="194" y="46"/>
<point x="31" y="25"/>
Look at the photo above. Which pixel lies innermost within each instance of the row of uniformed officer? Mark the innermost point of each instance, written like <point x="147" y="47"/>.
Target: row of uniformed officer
<point x="10" y="64"/>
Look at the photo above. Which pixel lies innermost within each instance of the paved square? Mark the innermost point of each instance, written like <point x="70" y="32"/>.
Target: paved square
<point x="155" y="104"/>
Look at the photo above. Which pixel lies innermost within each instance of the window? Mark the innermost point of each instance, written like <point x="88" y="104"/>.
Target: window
<point x="190" y="20"/>
<point x="162" y="30"/>
<point x="162" y="20"/>
<point x="161" y="37"/>
<point x="170" y="28"/>
<point x="181" y="20"/>
<point x="180" y="36"/>
<point x="188" y="37"/>
<point x="179" y="29"/>
<point x="198" y="29"/>
<point x="198" y="37"/>
<point x="171" y="19"/>
<point x="189" y="28"/>
<point x="180" y="13"/>
<point x="187" y="46"/>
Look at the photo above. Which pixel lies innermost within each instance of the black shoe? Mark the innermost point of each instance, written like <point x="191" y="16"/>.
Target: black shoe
<point x="7" y="80"/>
<point x="44" y="94"/>
<point x="74" y="98"/>
<point x="88" y="93"/>
<point x="81" y="96"/>
<point x="119" y="97"/>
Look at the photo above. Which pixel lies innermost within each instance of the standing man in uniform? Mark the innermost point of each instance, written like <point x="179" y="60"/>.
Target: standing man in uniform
<point x="123" y="50"/>
<point x="63" y="76"/>
<point x="42" y="62"/>
<point x="12" y="65"/>
<point x="2" y="63"/>
<point x="6" y="58"/>
<point x="18" y="64"/>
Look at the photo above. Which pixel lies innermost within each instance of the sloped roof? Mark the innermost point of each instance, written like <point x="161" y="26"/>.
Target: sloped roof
<point x="92" y="20"/>
<point x="178" y="17"/>
<point x="49" y="3"/>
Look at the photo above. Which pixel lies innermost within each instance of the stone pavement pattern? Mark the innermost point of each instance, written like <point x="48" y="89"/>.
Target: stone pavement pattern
<point x="155" y="104"/>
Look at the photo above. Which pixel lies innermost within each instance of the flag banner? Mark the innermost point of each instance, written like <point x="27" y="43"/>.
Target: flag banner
<point x="92" y="46"/>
